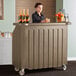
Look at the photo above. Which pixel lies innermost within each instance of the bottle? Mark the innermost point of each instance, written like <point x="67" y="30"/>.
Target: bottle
<point x="27" y="16"/>
<point x="67" y="18"/>
<point x="23" y="17"/>
<point x="20" y="16"/>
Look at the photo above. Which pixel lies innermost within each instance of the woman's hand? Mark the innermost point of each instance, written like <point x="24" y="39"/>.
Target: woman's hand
<point x="45" y="21"/>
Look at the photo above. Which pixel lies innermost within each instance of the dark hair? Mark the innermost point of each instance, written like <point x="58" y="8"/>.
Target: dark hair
<point x="37" y="4"/>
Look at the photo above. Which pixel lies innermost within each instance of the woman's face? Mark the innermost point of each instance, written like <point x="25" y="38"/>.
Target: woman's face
<point x="39" y="8"/>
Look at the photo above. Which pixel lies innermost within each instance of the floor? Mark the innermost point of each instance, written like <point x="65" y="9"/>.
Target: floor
<point x="71" y="71"/>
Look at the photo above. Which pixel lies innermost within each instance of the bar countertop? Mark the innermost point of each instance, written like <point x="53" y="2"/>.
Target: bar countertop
<point x="42" y="24"/>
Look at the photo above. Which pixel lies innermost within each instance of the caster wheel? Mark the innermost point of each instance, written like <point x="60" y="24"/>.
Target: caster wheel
<point x="21" y="72"/>
<point x="64" y="67"/>
<point x="16" y="69"/>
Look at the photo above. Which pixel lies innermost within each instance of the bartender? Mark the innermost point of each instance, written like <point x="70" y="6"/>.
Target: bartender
<point x="37" y="16"/>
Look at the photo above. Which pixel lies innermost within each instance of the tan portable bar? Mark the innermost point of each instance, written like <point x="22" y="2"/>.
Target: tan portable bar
<point x="39" y="45"/>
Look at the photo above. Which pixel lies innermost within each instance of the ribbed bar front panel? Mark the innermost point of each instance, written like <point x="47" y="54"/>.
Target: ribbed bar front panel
<point x="40" y="47"/>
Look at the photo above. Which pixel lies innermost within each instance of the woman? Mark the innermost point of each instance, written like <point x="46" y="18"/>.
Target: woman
<point x="38" y="17"/>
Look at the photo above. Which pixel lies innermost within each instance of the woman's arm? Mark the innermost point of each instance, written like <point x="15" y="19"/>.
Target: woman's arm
<point x="35" y="19"/>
